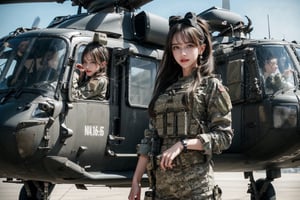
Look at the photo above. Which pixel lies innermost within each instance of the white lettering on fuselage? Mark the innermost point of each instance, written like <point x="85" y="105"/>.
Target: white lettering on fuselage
<point x="93" y="130"/>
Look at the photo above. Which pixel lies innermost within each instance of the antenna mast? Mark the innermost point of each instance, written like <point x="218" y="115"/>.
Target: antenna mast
<point x="269" y="32"/>
<point x="226" y="4"/>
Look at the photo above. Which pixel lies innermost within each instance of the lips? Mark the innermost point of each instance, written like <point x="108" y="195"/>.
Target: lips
<point x="88" y="71"/>
<point x="184" y="60"/>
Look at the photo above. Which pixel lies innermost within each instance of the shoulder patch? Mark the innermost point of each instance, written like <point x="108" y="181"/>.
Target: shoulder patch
<point x="221" y="88"/>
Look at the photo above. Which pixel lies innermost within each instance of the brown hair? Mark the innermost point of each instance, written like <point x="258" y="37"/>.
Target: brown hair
<point x="170" y="70"/>
<point x="98" y="52"/>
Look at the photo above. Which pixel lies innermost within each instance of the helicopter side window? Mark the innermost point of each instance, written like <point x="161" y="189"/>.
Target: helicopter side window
<point x="235" y="79"/>
<point x="276" y="67"/>
<point x="89" y="77"/>
<point x="142" y="74"/>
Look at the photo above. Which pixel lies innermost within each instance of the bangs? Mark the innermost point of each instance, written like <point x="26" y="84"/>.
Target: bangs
<point x="187" y="35"/>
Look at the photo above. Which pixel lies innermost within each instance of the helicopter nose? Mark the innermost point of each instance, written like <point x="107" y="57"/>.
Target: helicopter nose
<point x="19" y="134"/>
<point x="9" y="149"/>
<point x="16" y="147"/>
<point x="9" y="152"/>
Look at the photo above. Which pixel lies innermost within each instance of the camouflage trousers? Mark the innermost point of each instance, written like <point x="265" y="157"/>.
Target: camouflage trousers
<point x="191" y="179"/>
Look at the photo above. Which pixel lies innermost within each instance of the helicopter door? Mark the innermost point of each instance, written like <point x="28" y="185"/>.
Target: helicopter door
<point x="231" y="70"/>
<point x="239" y="73"/>
<point x="136" y="85"/>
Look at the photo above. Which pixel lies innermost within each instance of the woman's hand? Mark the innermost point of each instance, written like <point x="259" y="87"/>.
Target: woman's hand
<point x="288" y="73"/>
<point x="135" y="192"/>
<point x="169" y="155"/>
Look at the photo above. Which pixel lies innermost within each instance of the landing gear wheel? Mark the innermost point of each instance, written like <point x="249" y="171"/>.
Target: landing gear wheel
<point x="264" y="189"/>
<point x="33" y="190"/>
<point x="28" y="192"/>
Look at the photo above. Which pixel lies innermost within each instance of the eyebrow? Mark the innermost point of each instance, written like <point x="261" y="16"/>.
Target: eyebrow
<point x="178" y="43"/>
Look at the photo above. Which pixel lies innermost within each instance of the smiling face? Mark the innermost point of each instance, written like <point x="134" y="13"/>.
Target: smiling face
<point x="186" y="53"/>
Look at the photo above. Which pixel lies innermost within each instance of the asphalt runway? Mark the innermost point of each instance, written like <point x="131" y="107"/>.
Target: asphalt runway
<point x="234" y="187"/>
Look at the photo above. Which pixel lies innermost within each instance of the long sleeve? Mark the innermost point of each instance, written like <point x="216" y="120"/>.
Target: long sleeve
<point x="214" y="101"/>
<point x="95" y="88"/>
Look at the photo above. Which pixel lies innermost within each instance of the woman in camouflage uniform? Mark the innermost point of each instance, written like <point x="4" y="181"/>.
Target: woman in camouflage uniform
<point x="90" y="80"/>
<point x="190" y="115"/>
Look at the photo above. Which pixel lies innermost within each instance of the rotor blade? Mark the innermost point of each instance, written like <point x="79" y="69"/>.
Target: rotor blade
<point x="36" y="22"/>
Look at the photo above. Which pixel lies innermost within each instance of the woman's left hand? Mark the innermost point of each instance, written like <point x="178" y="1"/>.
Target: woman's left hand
<point x="169" y="155"/>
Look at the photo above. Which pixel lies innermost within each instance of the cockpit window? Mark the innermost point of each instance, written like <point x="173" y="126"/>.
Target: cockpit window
<point x="31" y="62"/>
<point x="276" y="67"/>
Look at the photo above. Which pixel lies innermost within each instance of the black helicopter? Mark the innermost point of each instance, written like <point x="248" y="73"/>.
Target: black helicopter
<point x="47" y="137"/>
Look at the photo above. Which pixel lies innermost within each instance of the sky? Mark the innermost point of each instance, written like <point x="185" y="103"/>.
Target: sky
<point x="284" y="15"/>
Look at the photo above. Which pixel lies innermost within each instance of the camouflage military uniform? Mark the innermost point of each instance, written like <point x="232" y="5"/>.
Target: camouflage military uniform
<point x="94" y="88"/>
<point x="208" y="118"/>
<point x="277" y="81"/>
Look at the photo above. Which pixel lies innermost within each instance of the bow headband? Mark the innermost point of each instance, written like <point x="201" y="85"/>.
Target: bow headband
<point x="189" y="19"/>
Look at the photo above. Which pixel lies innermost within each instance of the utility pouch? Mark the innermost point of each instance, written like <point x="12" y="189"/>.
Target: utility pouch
<point x="149" y="195"/>
<point x="155" y="143"/>
<point x="217" y="193"/>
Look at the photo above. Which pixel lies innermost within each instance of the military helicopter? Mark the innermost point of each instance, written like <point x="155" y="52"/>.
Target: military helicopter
<point x="48" y="137"/>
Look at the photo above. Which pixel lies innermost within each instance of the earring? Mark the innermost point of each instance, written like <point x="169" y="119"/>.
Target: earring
<point x="199" y="59"/>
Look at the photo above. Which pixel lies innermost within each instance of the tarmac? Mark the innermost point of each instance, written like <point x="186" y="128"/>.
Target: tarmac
<point x="233" y="185"/>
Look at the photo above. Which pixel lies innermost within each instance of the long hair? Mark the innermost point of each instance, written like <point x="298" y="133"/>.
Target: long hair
<point x="99" y="53"/>
<point x="170" y="70"/>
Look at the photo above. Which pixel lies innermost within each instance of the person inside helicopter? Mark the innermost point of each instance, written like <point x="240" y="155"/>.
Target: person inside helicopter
<point x="31" y="63"/>
<point x="275" y="79"/>
<point x="21" y="49"/>
<point x="17" y="53"/>
<point x="90" y="79"/>
<point x="43" y="68"/>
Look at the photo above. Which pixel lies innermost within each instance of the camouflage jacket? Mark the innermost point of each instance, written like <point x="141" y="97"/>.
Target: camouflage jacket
<point x="94" y="88"/>
<point x="207" y="116"/>
<point x="276" y="81"/>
